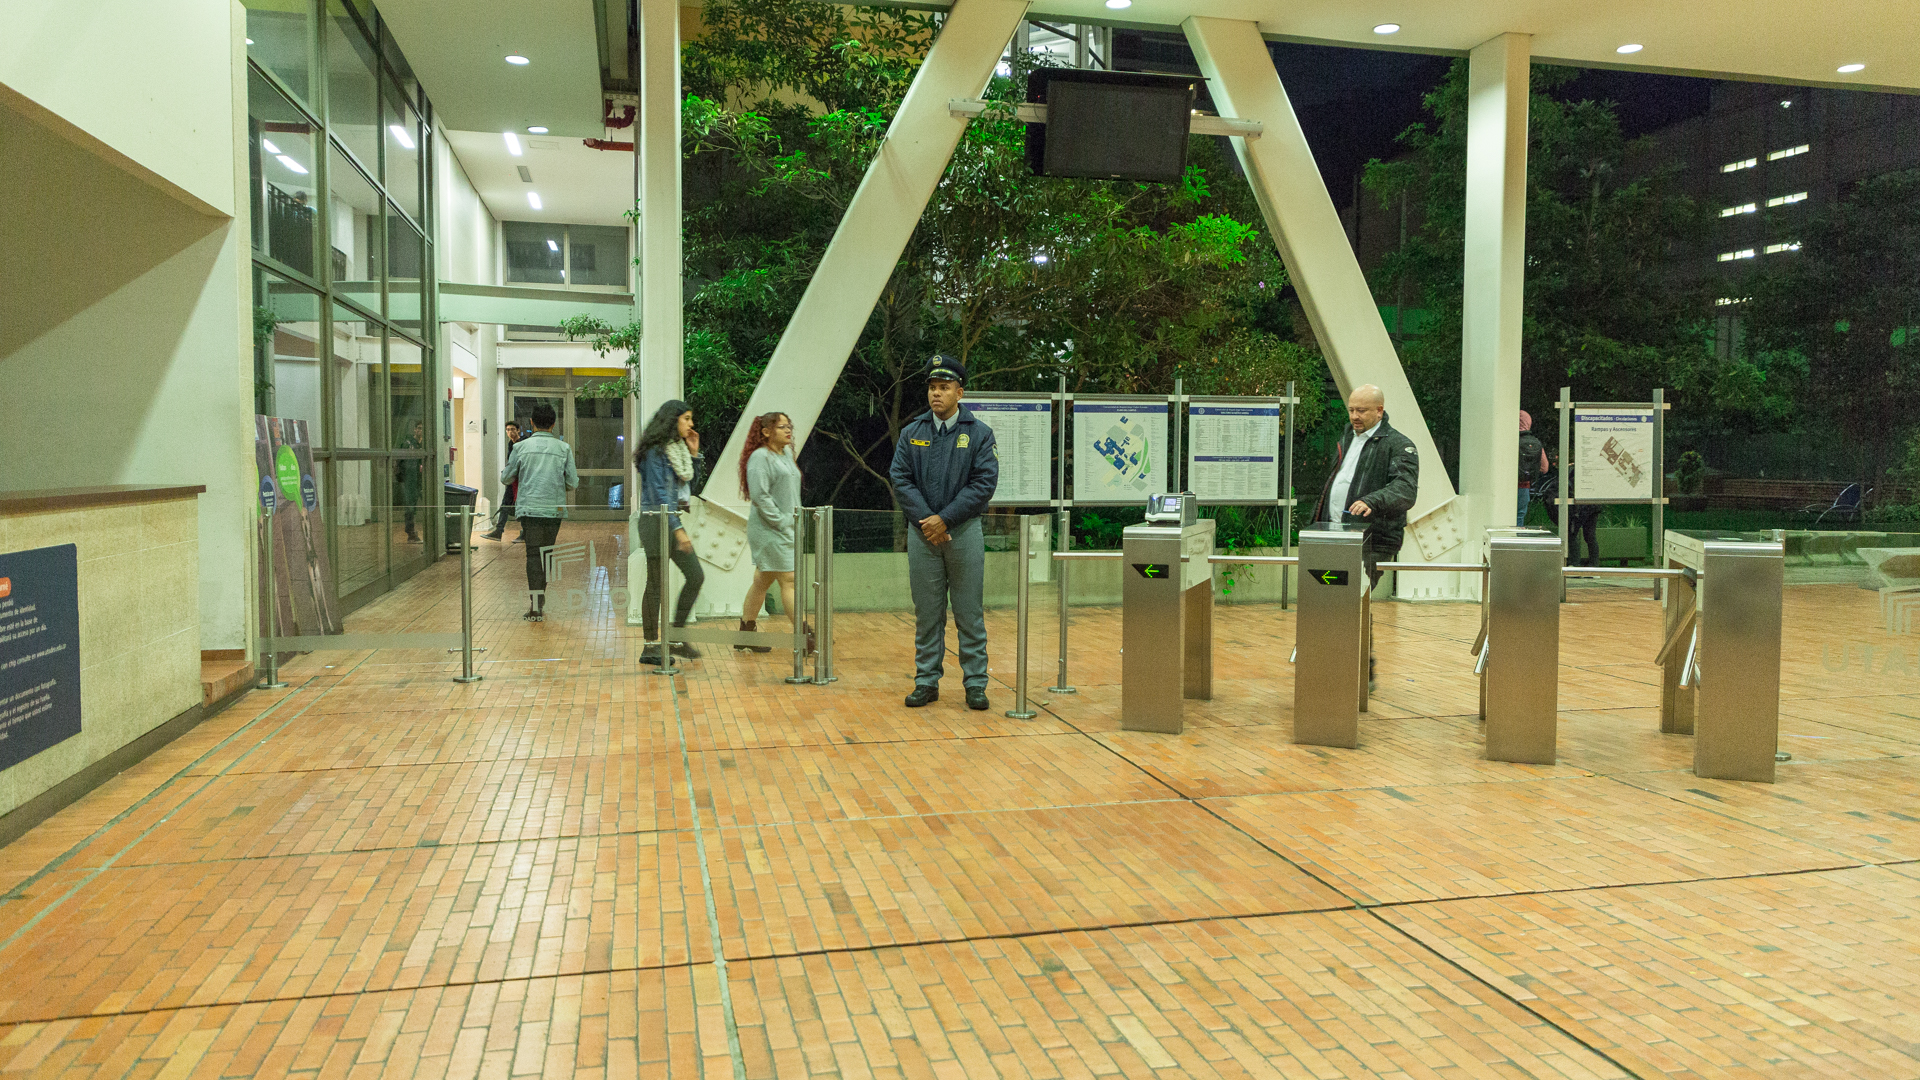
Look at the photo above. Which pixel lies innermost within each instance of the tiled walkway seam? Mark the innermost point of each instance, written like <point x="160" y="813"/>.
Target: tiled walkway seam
<point x="706" y="889"/>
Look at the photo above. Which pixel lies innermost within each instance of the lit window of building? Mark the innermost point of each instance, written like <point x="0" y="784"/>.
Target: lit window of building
<point x="1790" y="151"/>
<point x="1775" y="249"/>
<point x="1729" y="301"/>
<point x="1736" y="166"/>
<point x="1743" y="208"/>
<point x="1729" y="256"/>
<point x="1787" y="200"/>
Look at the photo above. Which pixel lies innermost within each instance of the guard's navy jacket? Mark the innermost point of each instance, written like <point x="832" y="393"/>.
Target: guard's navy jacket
<point x="1386" y="478"/>
<point x="952" y="475"/>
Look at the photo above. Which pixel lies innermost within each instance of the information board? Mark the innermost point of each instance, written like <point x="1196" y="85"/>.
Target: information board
<point x="1023" y="437"/>
<point x="1233" y="449"/>
<point x="39" y="650"/>
<point x="1119" y="450"/>
<point x="1613" y="454"/>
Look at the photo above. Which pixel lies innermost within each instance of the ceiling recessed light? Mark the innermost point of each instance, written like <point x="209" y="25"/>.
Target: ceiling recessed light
<point x="267" y="145"/>
<point x="533" y="200"/>
<point x="553" y="245"/>
<point x="291" y="164"/>
<point x="400" y="135"/>
<point x="1387" y="28"/>
<point x="1629" y="48"/>
<point x="1118" y="5"/>
<point x="536" y="130"/>
<point x="249" y="41"/>
<point x="1848" y="69"/>
<point x="517" y="60"/>
<point x="513" y="142"/>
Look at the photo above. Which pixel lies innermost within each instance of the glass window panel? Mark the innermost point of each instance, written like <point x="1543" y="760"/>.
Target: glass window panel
<point x="281" y="174"/>
<point x="400" y="127"/>
<point x="520" y="409"/>
<point x="406" y="253"/>
<point x="556" y="377"/>
<point x="354" y="216"/>
<point x="352" y="104"/>
<point x="286" y="324"/>
<point x="359" y="531"/>
<point x="597" y="255"/>
<point x="359" y="400"/>
<point x="534" y="251"/>
<point x="599" y="433"/>
<point x="596" y="492"/>
<point x="277" y="38"/>
<point x="407" y="404"/>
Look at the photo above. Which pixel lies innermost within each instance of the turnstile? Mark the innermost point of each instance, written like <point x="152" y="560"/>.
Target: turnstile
<point x="1331" y="636"/>
<point x="1731" y="661"/>
<point x="1519" y="663"/>
<point x="1166" y="618"/>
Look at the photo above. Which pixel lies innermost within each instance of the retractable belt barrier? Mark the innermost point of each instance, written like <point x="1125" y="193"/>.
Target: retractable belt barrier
<point x="820" y="580"/>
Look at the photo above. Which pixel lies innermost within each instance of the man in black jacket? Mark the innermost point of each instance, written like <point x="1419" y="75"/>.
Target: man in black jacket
<point x="1375" y="482"/>
<point x="944" y="473"/>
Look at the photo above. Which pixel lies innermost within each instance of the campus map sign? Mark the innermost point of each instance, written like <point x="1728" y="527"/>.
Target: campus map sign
<point x="1023" y="435"/>
<point x="1119" y="450"/>
<point x="1233" y="450"/>
<point x="1613" y="454"/>
<point x="39" y="650"/>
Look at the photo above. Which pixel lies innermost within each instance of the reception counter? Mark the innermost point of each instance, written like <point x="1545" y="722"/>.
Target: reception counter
<point x="137" y="551"/>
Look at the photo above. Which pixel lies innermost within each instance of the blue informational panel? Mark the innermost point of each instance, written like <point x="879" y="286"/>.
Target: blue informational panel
<point x="39" y="650"/>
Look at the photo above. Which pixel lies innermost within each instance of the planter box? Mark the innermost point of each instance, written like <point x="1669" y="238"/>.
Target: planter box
<point x="1623" y="544"/>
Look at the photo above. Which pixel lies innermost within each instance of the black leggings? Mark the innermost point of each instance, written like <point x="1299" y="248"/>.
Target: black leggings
<point x="690" y="569"/>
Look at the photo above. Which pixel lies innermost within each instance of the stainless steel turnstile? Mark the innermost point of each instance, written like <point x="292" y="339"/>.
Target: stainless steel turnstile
<point x="1732" y="661"/>
<point x="1519" y="661"/>
<point x="1166" y="618"/>
<point x="1330" y="635"/>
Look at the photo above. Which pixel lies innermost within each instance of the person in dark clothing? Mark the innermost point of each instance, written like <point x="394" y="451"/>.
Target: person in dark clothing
<point x="1374" y="482"/>
<point x="507" y="494"/>
<point x="1584" y="524"/>
<point x="944" y="473"/>
<point x="670" y="463"/>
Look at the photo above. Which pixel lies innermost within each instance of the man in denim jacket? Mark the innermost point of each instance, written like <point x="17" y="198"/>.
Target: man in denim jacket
<point x="543" y="465"/>
<point x="944" y="472"/>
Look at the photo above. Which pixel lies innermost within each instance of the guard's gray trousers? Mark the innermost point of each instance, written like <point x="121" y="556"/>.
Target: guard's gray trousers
<point x="956" y="569"/>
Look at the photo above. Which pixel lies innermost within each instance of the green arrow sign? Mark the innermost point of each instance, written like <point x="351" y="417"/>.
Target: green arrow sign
<point x="1155" y="570"/>
<point x="1329" y="577"/>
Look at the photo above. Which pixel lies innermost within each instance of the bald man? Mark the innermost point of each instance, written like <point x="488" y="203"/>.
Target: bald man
<point x="1376" y="475"/>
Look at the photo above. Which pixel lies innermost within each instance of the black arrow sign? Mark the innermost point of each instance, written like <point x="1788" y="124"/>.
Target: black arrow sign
<point x="1329" y="577"/>
<point x="1154" y="570"/>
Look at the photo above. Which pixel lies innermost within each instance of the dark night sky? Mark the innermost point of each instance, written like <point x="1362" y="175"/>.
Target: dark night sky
<point x="1352" y="102"/>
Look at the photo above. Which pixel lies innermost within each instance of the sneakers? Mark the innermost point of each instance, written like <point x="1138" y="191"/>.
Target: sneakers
<point x="924" y="695"/>
<point x="685" y="650"/>
<point x="745" y="625"/>
<point x="534" y="615"/>
<point x="651" y="655"/>
<point x="977" y="698"/>
<point x="494" y="535"/>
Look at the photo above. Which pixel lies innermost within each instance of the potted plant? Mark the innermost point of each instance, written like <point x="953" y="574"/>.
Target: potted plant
<point x="1689" y="483"/>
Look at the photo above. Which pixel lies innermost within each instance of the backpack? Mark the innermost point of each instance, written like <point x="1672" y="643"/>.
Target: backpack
<point x="1530" y="450"/>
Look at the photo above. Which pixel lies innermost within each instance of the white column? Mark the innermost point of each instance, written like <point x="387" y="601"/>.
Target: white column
<point x="1494" y="271"/>
<point x="875" y="229"/>
<point x="1299" y="213"/>
<point x="657" y="151"/>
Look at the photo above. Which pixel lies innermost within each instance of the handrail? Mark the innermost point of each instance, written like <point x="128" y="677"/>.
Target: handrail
<point x="1625" y="571"/>
<point x="1445" y="567"/>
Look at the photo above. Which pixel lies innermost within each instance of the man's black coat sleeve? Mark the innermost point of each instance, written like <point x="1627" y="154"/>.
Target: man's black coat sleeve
<point x="1403" y="480"/>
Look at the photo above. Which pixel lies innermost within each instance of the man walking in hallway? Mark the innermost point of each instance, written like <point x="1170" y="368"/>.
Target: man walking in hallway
<point x="502" y="515"/>
<point x="944" y="472"/>
<point x="542" y="464"/>
<point x="1375" y="478"/>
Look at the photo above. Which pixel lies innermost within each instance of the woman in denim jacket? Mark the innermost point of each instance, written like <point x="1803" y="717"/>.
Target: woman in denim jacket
<point x="669" y="461"/>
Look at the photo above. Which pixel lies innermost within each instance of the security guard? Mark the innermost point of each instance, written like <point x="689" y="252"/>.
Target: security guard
<point x="944" y="472"/>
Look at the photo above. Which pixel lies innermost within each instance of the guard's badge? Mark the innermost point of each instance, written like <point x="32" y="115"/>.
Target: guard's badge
<point x="962" y="443"/>
<point x="921" y="442"/>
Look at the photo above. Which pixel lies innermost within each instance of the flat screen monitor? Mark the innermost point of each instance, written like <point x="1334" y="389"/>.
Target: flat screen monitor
<point x="1110" y="125"/>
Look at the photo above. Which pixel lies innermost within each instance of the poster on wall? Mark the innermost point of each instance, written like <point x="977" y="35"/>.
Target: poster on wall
<point x="1233" y="449"/>
<point x="39" y="650"/>
<point x="289" y="501"/>
<point x="1613" y="454"/>
<point x="1023" y="435"/>
<point x="1119" y="450"/>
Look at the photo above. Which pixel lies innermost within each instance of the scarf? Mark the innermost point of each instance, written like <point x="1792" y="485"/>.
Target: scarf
<point x="680" y="458"/>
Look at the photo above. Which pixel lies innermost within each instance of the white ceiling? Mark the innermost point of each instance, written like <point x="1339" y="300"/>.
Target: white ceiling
<point x="1771" y="40"/>
<point x="457" y="50"/>
<point x="576" y="184"/>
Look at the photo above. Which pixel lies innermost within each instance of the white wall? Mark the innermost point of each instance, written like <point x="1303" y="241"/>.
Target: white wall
<point x="468" y="253"/>
<point x="125" y="322"/>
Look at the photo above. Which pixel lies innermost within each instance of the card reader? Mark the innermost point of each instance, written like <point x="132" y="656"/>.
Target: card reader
<point x="1172" y="508"/>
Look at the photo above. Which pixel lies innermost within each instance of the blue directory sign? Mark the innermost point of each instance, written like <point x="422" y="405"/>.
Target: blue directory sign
<point x="39" y="650"/>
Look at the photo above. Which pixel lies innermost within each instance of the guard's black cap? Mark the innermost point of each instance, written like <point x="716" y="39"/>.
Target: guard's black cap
<point x="943" y="366"/>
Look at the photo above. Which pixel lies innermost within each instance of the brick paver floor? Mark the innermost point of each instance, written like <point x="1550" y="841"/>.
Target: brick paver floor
<point x="577" y="868"/>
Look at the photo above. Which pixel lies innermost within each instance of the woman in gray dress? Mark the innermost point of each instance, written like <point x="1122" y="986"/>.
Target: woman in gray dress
<point x="771" y="482"/>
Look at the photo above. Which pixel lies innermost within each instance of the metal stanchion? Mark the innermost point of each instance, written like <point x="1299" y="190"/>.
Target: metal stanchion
<point x="823" y="596"/>
<point x="1021" y="588"/>
<point x="466" y="597"/>
<point x="798" y="613"/>
<point x="1063" y="541"/>
<point x="660" y="566"/>
<point x="270" y="657"/>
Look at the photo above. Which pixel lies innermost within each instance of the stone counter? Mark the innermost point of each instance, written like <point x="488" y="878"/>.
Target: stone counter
<point x="138" y="550"/>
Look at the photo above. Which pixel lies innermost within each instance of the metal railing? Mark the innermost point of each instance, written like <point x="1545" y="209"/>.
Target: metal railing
<point x="820" y="579"/>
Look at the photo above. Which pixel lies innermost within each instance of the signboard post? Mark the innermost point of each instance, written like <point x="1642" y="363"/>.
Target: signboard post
<point x="39" y="650"/>
<point x="1618" y="454"/>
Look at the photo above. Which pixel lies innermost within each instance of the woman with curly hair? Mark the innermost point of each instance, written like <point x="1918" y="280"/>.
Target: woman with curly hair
<point x="771" y="482"/>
